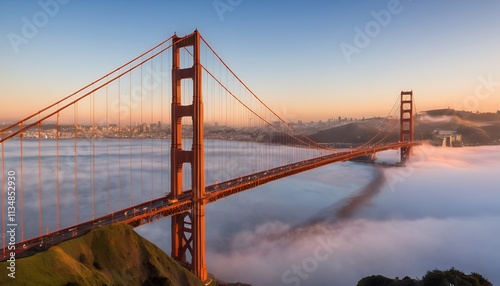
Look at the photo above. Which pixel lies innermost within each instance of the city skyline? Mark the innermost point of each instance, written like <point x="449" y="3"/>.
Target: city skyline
<point x="365" y="53"/>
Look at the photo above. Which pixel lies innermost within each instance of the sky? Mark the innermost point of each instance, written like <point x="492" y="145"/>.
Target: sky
<point x="309" y="59"/>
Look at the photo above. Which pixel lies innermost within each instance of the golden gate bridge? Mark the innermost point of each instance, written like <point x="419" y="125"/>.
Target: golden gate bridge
<point x="90" y="160"/>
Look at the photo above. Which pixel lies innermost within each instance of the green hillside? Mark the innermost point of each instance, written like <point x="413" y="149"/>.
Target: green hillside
<point x="113" y="255"/>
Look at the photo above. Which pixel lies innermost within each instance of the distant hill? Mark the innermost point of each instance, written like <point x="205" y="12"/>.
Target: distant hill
<point x="358" y="132"/>
<point x="474" y="128"/>
<point x="113" y="255"/>
<point x="467" y="115"/>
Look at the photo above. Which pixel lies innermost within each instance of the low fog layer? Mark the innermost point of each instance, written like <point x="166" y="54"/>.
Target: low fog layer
<point x="439" y="212"/>
<point x="329" y="226"/>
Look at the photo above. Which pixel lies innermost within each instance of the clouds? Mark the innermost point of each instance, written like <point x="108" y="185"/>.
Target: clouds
<point x="337" y="223"/>
<point x="360" y="247"/>
<point x="117" y="174"/>
<point x="444" y="214"/>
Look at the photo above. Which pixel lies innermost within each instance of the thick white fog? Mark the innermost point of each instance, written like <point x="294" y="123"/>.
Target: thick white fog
<point x="329" y="226"/>
<point x="339" y="223"/>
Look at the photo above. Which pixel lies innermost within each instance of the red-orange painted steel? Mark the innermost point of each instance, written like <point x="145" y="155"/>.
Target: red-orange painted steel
<point x="406" y="121"/>
<point x="188" y="229"/>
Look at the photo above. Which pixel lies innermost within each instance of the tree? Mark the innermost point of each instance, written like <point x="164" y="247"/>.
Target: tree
<point x="435" y="278"/>
<point x="375" y="280"/>
<point x="482" y="281"/>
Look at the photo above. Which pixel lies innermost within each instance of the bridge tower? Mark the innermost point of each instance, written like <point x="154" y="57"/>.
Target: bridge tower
<point x="406" y="123"/>
<point x="188" y="229"/>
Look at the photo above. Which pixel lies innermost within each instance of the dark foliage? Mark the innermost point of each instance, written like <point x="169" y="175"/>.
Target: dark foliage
<point x="431" y="278"/>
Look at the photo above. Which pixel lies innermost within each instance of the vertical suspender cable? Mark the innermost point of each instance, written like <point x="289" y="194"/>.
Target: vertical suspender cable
<point x="151" y="132"/>
<point x="58" y="195"/>
<point x="21" y="194"/>
<point x="119" y="148"/>
<point x="40" y="222"/>
<point x="130" y="138"/>
<point x="75" y="190"/>
<point x="92" y="156"/>
<point x="106" y="134"/>
<point x="4" y="245"/>
<point x="159" y="127"/>
<point x="142" y="132"/>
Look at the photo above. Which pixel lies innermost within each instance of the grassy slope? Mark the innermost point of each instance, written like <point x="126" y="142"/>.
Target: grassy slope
<point x="113" y="255"/>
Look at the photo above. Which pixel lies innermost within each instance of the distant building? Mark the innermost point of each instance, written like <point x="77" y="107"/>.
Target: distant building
<point x="447" y="138"/>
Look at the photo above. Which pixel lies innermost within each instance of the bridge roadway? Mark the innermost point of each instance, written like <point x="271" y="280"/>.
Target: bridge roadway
<point x="163" y="207"/>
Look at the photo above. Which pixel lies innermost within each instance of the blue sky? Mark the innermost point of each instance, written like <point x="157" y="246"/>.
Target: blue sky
<point x="286" y="51"/>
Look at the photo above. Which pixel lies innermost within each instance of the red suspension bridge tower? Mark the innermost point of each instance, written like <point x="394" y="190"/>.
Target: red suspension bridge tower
<point x="188" y="211"/>
<point x="188" y="229"/>
<point x="406" y="123"/>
